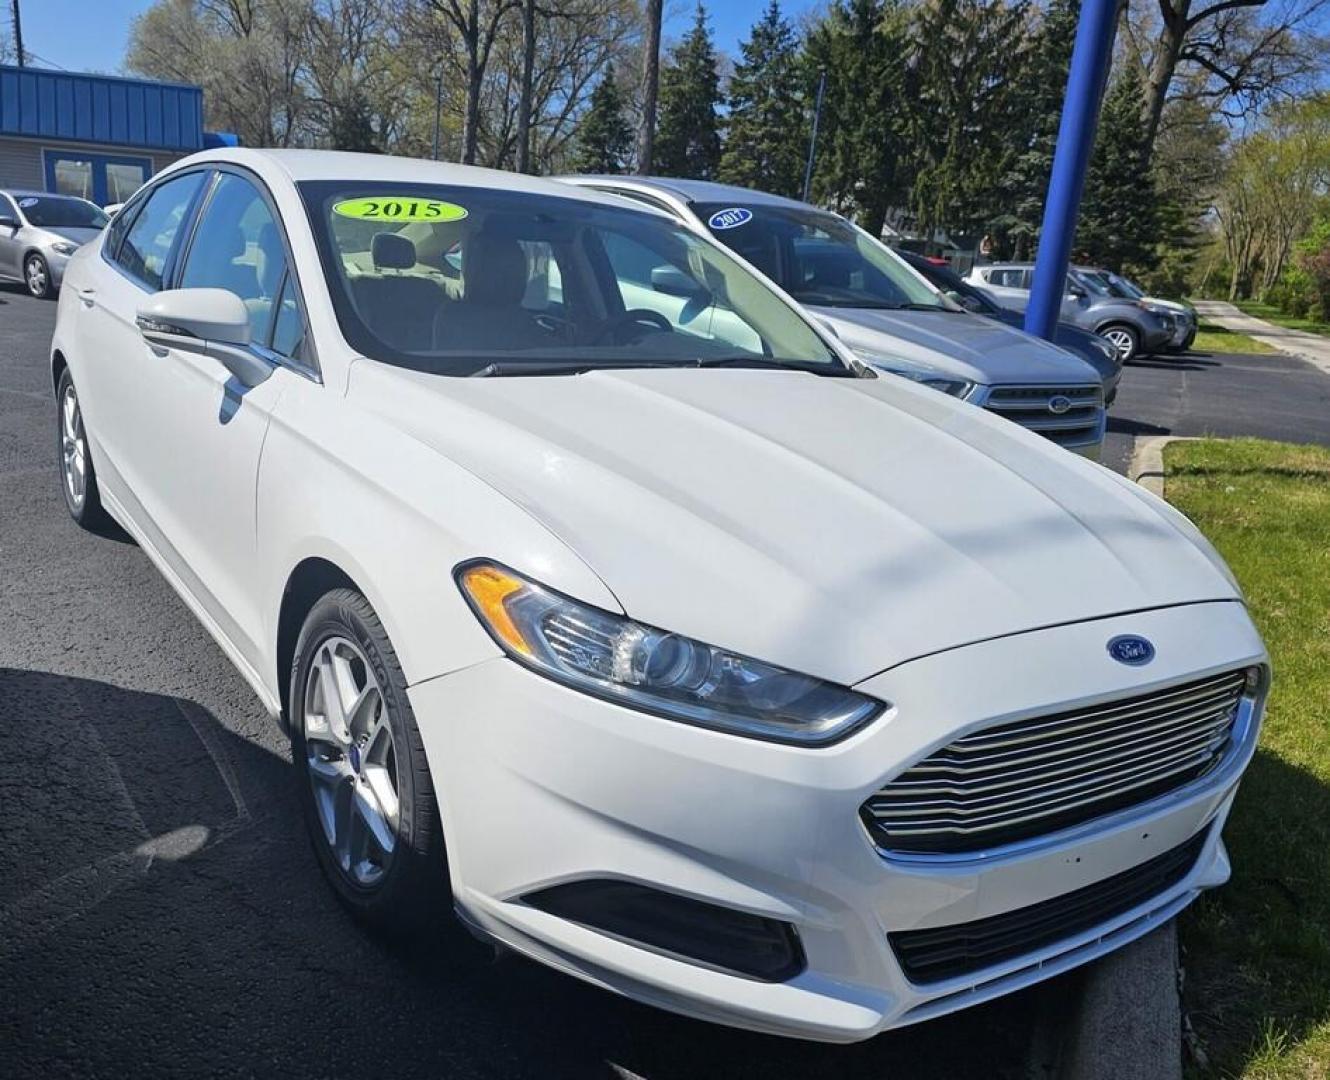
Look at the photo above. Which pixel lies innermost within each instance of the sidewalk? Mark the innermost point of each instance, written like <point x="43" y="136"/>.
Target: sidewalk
<point x="1313" y="348"/>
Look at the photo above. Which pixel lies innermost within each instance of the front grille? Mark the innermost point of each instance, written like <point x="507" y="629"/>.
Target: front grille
<point x="1032" y="777"/>
<point x="949" y="952"/>
<point x="1035" y="407"/>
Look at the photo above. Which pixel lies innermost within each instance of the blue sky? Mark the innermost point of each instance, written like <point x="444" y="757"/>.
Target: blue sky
<point x="90" y="35"/>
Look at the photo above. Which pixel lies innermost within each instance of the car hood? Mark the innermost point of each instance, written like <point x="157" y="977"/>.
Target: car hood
<point x="835" y="526"/>
<point x="75" y="235"/>
<point x="1168" y="305"/>
<point x="1071" y="337"/>
<point x="959" y="343"/>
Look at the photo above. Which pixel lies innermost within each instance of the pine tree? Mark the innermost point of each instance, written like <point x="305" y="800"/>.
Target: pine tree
<point x="604" y="137"/>
<point x="764" y="147"/>
<point x="688" y="133"/>
<point x="967" y="94"/>
<point x="863" y="162"/>
<point x="1025" y="182"/>
<point x="1120" y="210"/>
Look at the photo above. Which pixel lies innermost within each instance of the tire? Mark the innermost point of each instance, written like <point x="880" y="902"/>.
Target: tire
<point x="343" y="758"/>
<point x="37" y="276"/>
<point x="78" y="477"/>
<point x="1124" y="338"/>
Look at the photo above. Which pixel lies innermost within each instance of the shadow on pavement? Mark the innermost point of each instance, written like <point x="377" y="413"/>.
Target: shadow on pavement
<point x="164" y="914"/>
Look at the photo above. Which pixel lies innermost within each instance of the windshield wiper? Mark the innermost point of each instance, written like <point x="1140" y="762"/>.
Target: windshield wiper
<point x="500" y="368"/>
<point x="835" y="370"/>
<point x="560" y="367"/>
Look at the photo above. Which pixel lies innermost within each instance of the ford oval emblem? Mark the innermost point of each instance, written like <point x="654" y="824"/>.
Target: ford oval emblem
<point x="1059" y="403"/>
<point x="730" y="218"/>
<point x="1130" y="649"/>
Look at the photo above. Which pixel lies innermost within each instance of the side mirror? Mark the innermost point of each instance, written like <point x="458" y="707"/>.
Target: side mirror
<point x="208" y="322"/>
<point x="8" y="221"/>
<point x="672" y="281"/>
<point x="1076" y="292"/>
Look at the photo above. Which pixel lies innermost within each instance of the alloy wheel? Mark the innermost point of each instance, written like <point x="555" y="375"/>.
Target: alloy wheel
<point x="351" y="760"/>
<point x="73" y="448"/>
<point x="34" y="273"/>
<point x="1122" y="341"/>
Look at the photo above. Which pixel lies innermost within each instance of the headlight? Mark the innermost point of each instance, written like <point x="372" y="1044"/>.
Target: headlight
<point x="653" y="670"/>
<point x="64" y="247"/>
<point x="958" y="388"/>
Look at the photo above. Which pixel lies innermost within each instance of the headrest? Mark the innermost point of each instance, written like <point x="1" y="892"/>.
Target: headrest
<point x="494" y="271"/>
<point x="392" y="252"/>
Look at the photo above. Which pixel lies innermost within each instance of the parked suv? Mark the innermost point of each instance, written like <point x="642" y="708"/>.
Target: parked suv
<point x="39" y="232"/>
<point x="882" y="309"/>
<point x="1131" y="326"/>
<point x="1091" y="348"/>
<point x="1184" y="315"/>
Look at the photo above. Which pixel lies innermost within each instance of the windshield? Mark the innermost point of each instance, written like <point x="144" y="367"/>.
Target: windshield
<point x="1123" y="287"/>
<point x="54" y="212"/>
<point x="468" y="280"/>
<point x="819" y="258"/>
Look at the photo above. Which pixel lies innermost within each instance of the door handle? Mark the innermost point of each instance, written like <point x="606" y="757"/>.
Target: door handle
<point x="87" y="296"/>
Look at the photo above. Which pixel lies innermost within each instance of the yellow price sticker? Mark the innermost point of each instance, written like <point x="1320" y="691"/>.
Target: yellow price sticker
<point x="399" y="208"/>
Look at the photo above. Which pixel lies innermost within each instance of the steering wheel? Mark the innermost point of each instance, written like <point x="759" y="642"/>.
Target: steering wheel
<point x="639" y="316"/>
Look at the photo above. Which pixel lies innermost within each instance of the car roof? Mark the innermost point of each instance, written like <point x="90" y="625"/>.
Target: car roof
<point x="32" y="193"/>
<point x="309" y="165"/>
<point x="695" y="190"/>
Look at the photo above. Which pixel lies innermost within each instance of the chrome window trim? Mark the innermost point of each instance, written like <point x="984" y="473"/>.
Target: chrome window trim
<point x="1241" y="750"/>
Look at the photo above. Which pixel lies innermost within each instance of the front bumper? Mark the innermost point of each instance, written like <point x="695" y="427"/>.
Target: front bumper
<point x="540" y="785"/>
<point x="55" y="266"/>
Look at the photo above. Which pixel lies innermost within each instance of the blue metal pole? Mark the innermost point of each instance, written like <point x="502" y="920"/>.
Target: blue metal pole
<point x="1090" y="60"/>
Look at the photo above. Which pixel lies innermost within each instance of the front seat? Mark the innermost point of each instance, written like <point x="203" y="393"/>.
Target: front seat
<point x="490" y="315"/>
<point x="398" y="308"/>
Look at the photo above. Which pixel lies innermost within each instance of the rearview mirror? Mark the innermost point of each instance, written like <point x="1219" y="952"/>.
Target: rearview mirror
<point x="208" y="322"/>
<point x="672" y="281"/>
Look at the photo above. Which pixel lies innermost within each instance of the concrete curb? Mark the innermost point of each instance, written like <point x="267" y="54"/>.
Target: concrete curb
<point x="1127" y="1024"/>
<point x="1147" y="461"/>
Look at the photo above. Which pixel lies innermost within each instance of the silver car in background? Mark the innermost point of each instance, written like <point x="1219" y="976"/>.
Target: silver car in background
<point x="1184" y="315"/>
<point x="39" y="232"/>
<point x="878" y="306"/>
<point x="1131" y="326"/>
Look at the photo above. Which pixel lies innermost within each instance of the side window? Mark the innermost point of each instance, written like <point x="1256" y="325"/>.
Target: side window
<point x="288" y="328"/>
<point x="237" y="247"/>
<point x="7" y="207"/>
<point x="148" y="242"/>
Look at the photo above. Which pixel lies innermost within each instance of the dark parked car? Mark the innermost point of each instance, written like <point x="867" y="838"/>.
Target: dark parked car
<point x="1091" y="348"/>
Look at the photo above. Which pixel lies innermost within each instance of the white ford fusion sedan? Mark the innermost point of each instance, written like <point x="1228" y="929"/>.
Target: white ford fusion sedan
<point x="665" y="644"/>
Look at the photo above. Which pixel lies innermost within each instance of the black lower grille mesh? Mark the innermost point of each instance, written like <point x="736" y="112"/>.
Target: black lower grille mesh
<point x="946" y="952"/>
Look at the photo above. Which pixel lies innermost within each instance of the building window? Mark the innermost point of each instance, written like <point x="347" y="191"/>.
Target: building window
<point x="101" y="178"/>
<point x="73" y="176"/>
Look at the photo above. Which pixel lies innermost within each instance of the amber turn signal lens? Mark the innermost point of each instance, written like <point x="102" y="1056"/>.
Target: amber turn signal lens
<point x="489" y="588"/>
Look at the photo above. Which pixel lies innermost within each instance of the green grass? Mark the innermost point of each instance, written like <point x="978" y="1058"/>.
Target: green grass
<point x="1272" y="314"/>
<point x="1257" y="951"/>
<point x="1215" y="339"/>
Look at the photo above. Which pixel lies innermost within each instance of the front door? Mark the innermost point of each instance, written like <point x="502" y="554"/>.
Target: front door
<point x="200" y="429"/>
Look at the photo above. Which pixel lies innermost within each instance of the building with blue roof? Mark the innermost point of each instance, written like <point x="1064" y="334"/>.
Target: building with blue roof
<point x="96" y="136"/>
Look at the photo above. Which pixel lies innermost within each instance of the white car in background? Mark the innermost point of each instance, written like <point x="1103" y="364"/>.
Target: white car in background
<point x="885" y="311"/>
<point x="682" y="653"/>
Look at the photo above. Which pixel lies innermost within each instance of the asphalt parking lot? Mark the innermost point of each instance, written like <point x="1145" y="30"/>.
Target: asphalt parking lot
<point x="163" y="914"/>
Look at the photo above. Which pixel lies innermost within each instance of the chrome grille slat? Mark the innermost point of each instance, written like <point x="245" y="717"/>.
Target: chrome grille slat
<point x="1034" y="729"/>
<point x="1049" y="797"/>
<point x="1200" y="733"/>
<point x="1099" y="736"/>
<point x="1023" y="778"/>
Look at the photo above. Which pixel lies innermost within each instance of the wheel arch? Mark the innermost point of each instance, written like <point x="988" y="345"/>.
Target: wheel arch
<point x="58" y="365"/>
<point x="310" y="579"/>
<point x="1119" y="320"/>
